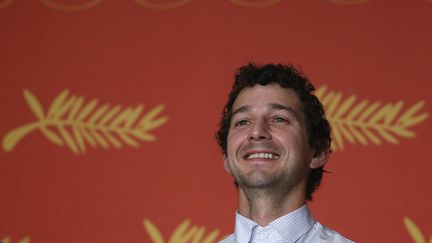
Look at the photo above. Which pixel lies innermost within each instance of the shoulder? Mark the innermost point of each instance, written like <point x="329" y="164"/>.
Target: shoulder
<point x="321" y="233"/>
<point x="228" y="239"/>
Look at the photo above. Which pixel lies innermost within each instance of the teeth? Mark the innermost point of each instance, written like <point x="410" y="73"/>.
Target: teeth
<point x="263" y="156"/>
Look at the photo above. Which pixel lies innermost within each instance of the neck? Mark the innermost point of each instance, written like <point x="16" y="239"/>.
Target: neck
<point x="263" y="205"/>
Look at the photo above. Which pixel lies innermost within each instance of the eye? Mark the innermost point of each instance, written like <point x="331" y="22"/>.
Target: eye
<point x="280" y="120"/>
<point x="241" y="123"/>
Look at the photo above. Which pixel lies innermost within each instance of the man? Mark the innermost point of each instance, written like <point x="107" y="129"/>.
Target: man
<point x="275" y="140"/>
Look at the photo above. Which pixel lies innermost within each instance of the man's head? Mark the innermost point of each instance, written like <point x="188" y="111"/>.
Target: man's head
<point x="291" y="119"/>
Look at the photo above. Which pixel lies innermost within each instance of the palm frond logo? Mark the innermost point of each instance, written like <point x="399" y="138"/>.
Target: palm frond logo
<point x="72" y="122"/>
<point x="367" y="122"/>
<point x="7" y="239"/>
<point x="415" y="232"/>
<point x="184" y="233"/>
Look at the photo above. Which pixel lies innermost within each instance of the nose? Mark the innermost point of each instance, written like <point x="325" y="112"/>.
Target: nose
<point x="259" y="131"/>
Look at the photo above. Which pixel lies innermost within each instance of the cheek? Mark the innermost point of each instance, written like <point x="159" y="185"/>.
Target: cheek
<point x="295" y="142"/>
<point x="233" y="141"/>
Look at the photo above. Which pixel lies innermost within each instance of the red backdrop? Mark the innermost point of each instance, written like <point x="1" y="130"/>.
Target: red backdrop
<point x="160" y="177"/>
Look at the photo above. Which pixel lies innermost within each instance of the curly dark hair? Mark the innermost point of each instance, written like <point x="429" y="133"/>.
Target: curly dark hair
<point x="287" y="76"/>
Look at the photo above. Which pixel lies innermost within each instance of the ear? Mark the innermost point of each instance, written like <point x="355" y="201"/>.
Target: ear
<point x="319" y="159"/>
<point x="226" y="166"/>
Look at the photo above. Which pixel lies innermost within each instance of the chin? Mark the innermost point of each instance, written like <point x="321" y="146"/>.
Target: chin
<point x="258" y="180"/>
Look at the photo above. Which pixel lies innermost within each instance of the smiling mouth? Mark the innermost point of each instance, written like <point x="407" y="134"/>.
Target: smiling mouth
<point x="271" y="156"/>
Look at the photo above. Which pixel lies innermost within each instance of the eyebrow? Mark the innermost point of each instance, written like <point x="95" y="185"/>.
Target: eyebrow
<point x="242" y="109"/>
<point x="276" y="106"/>
<point x="273" y="106"/>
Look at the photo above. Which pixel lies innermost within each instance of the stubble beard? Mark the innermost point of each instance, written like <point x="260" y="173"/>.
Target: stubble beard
<point x="257" y="179"/>
<point x="263" y="183"/>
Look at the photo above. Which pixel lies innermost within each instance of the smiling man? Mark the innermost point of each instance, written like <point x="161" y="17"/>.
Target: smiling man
<point x="275" y="140"/>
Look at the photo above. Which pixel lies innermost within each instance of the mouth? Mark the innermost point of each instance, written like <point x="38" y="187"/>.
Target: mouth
<point x="261" y="155"/>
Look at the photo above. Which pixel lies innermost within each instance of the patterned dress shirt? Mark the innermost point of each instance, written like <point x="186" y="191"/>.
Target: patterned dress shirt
<point x="298" y="226"/>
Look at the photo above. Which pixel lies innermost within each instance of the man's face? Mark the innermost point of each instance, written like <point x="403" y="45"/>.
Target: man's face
<point x="267" y="142"/>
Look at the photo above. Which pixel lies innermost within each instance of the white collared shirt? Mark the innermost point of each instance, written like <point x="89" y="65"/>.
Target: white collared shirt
<point x="298" y="226"/>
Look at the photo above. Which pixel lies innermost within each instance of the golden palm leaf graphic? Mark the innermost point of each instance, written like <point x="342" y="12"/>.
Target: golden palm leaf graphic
<point x="72" y="122"/>
<point x="367" y="122"/>
<point x="184" y="233"/>
<point x="8" y="240"/>
<point x="414" y="231"/>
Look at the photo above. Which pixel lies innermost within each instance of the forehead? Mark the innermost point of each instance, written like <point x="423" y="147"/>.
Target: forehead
<point x="265" y="95"/>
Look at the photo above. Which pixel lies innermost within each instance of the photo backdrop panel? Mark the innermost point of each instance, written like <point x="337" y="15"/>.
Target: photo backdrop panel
<point x="110" y="108"/>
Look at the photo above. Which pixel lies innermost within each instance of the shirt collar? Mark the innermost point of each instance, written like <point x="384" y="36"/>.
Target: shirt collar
<point x="243" y="228"/>
<point x="290" y="226"/>
<point x="295" y="224"/>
